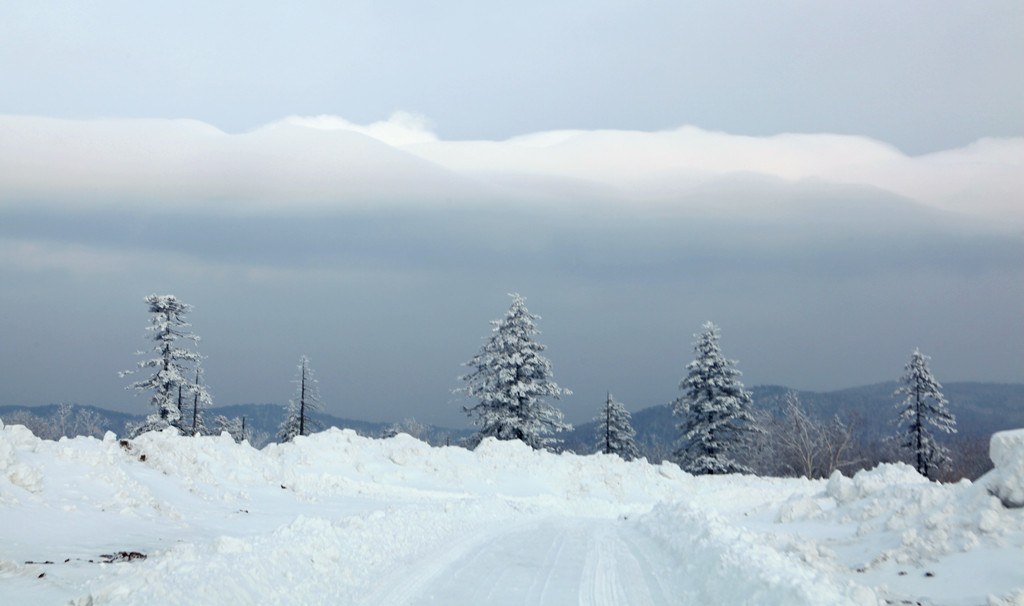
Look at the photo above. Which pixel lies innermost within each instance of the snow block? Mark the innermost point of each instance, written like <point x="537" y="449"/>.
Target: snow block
<point x="1006" y="481"/>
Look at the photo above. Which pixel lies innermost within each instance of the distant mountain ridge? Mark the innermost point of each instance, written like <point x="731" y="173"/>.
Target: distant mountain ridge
<point x="259" y="419"/>
<point x="980" y="409"/>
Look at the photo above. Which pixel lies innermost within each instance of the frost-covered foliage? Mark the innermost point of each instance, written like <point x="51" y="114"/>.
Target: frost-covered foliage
<point x="68" y="420"/>
<point x="922" y="403"/>
<point x="615" y="434"/>
<point x="716" y="411"/>
<point x="797" y="442"/>
<point x="307" y="399"/>
<point x="201" y="400"/>
<point x="409" y="426"/>
<point x="509" y="378"/>
<point x="172" y="366"/>
<point x="239" y="431"/>
<point x="234" y="427"/>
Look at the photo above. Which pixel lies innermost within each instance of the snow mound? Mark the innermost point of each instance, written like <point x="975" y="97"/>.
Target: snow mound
<point x="913" y="521"/>
<point x="1006" y="481"/>
<point x="19" y="475"/>
<point x="868" y="482"/>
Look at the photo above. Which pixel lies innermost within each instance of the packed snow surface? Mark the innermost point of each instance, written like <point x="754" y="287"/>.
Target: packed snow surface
<point x="336" y="518"/>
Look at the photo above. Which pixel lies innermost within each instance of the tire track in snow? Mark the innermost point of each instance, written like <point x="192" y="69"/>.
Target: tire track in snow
<point x="556" y="561"/>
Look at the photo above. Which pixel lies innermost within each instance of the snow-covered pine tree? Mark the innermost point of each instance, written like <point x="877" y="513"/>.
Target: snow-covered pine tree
<point x="716" y="411"/>
<point x="509" y="378"/>
<point x="922" y="402"/>
<point x="307" y="399"/>
<point x="615" y="434"/>
<point x="170" y="367"/>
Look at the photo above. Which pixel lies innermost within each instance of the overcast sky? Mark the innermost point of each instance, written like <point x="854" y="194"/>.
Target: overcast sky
<point x="832" y="183"/>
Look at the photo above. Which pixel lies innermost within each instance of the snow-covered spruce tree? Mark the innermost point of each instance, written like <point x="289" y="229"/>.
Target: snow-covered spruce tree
<point x="170" y="367"/>
<point x="615" y="434"/>
<point x="922" y="402"/>
<point x="715" y="409"/>
<point x="509" y="378"/>
<point x="307" y="399"/>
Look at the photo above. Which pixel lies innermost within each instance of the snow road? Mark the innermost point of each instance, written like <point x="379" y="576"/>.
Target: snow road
<point x="555" y="561"/>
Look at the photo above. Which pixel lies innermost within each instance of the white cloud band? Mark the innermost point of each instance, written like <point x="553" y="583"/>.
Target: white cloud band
<point x="326" y="161"/>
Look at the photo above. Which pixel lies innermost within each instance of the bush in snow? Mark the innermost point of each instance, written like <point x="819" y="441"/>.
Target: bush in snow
<point x="615" y="434"/>
<point x="715" y="411"/>
<point x="801" y="444"/>
<point x="509" y="377"/>
<point x="922" y="403"/>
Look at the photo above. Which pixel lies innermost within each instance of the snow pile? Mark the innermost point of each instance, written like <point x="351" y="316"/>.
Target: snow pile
<point x="339" y="518"/>
<point x="1006" y="481"/>
<point x="730" y="565"/>
<point x="907" y="536"/>
<point x="929" y="520"/>
<point x="864" y="484"/>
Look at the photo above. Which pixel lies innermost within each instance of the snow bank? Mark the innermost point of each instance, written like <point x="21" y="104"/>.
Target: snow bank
<point x="1006" y="481"/>
<point x="149" y="470"/>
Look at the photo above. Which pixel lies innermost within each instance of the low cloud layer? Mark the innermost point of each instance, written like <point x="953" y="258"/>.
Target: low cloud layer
<point x="328" y="163"/>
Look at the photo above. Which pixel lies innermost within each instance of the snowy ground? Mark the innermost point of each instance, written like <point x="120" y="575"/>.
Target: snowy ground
<point x="340" y="519"/>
